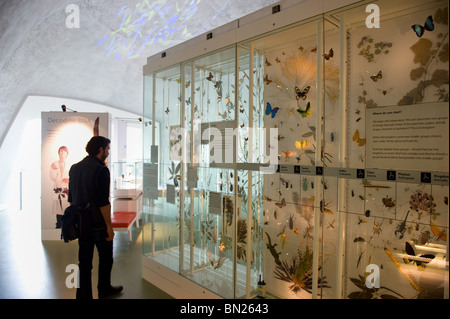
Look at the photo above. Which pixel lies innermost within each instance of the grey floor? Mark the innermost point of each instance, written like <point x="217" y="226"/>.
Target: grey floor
<point x="35" y="269"/>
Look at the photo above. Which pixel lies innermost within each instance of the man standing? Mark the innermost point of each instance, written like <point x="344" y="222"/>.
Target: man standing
<point x="89" y="183"/>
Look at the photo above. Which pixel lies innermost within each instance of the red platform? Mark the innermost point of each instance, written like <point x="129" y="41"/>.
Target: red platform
<point x="124" y="221"/>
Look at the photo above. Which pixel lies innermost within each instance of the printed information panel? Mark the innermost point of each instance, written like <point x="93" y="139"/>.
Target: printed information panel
<point x="409" y="138"/>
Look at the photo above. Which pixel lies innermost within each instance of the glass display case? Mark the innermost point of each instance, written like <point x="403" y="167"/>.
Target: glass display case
<point x="310" y="159"/>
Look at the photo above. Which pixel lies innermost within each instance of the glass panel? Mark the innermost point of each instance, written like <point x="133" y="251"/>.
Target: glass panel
<point x="162" y="203"/>
<point x="393" y="218"/>
<point x="290" y="105"/>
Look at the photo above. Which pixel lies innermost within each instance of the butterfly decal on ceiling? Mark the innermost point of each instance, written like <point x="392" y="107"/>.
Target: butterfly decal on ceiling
<point x="357" y="139"/>
<point x="271" y="111"/>
<point x="302" y="94"/>
<point x="419" y="30"/>
<point x="266" y="79"/>
<point x="306" y="111"/>
<point x="377" y="77"/>
<point x="329" y="55"/>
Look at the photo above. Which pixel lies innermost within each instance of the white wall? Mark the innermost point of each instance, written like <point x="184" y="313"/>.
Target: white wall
<point x="20" y="153"/>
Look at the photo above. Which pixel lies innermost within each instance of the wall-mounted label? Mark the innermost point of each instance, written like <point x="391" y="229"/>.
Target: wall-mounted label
<point x="413" y="137"/>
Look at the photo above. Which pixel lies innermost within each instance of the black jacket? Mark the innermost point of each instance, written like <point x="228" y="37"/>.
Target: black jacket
<point x="89" y="182"/>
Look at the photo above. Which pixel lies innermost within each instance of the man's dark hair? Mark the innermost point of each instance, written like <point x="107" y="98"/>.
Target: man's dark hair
<point x="94" y="144"/>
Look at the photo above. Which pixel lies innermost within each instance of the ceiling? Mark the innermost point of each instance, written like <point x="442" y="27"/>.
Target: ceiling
<point x="43" y="52"/>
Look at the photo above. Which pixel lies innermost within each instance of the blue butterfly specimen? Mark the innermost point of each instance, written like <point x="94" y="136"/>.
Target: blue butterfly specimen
<point x="419" y="30"/>
<point x="270" y="110"/>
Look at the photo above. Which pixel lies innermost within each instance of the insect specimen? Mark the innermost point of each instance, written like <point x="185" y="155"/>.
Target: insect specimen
<point x="361" y="221"/>
<point x="282" y="203"/>
<point x="353" y="193"/>
<point x="266" y="79"/>
<point x="367" y="213"/>
<point x="386" y="91"/>
<point x="424" y="237"/>
<point x="329" y="55"/>
<point x="377" y="227"/>
<point x="419" y="30"/>
<point x="439" y="233"/>
<point x="377" y="77"/>
<point x="314" y="50"/>
<point x="268" y="63"/>
<point x="301" y="144"/>
<point x="332" y="137"/>
<point x="271" y="111"/>
<point x="210" y="76"/>
<point x="359" y="240"/>
<point x="288" y="154"/>
<point x="277" y="60"/>
<point x="167" y="111"/>
<point x="306" y="111"/>
<point x="401" y="228"/>
<point x="357" y="139"/>
<point x="305" y="184"/>
<point x="187" y="84"/>
<point x="291" y="222"/>
<point x="302" y="94"/>
<point x="331" y="225"/>
<point x="388" y="202"/>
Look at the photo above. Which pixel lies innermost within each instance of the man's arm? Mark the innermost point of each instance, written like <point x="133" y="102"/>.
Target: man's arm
<point x="106" y="213"/>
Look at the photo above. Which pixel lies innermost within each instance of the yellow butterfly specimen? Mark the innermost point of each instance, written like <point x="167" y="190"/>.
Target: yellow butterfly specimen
<point x="357" y="139"/>
<point x="301" y="144"/>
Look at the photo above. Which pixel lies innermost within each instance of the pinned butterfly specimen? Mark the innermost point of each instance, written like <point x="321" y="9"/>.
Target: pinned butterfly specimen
<point x="419" y="30"/>
<point x="384" y="92"/>
<point x="305" y="112"/>
<point x="357" y="139"/>
<point x="282" y="203"/>
<point x="268" y="63"/>
<point x="277" y="60"/>
<point x="188" y="83"/>
<point x="288" y="154"/>
<point x="301" y="94"/>
<point x="271" y="111"/>
<point x="266" y="79"/>
<point x="314" y="50"/>
<point x="218" y="84"/>
<point x="301" y="144"/>
<point x="210" y="76"/>
<point x="167" y="111"/>
<point x="329" y="55"/>
<point x="439" y="233"/>
<point x="377" y="77"/>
